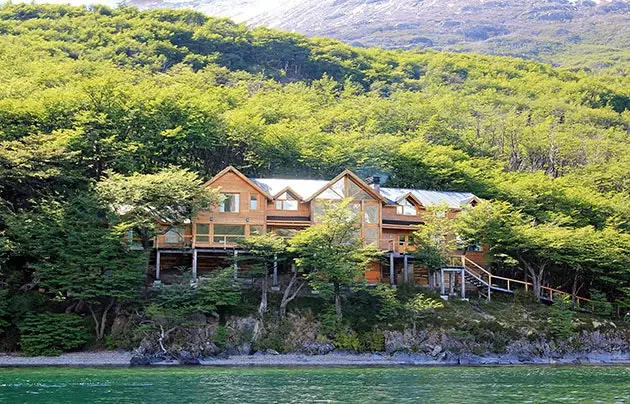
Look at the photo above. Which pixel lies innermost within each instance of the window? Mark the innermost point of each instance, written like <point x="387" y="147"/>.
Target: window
<point x="133" y="241"/>
<point x="371" y="236"/>
<point x="255" y="230"/>
<point x="286" y="202"/>
<point x="474" y="247"/>
<point x="345" y="187"/>
<point x="371" y="213"/>
<point x="174" y="235"/>
<point x="253" y="202"/>
<point x="285" y="233"/>
<point x="230" y="203"/>
<point x="406" y="208"/>
<point x="357" y="192"/>
<point x="203" y="233"/>
<point x="228" y="233"/>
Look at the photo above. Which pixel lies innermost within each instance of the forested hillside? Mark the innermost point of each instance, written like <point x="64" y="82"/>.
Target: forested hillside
<point x="87" y="92"/>
<point x="582" y="33"/>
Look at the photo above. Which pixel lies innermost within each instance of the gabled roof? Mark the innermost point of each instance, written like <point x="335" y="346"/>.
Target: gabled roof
<point x="230" y="169"/>
<point x="454" y="200"/>
<point x="307" y="190"/>
<point x="357" y="181"/>
<point x="410" y="195"/>
<point x="300" y="188"/>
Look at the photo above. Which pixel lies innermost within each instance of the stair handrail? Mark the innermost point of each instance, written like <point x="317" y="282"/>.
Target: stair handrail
<point x="466" y="262"/>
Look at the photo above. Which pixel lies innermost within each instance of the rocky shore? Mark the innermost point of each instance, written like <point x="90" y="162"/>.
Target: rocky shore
<point x="122" y="359"/>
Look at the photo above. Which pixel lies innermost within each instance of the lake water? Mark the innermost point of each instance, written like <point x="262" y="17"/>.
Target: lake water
<point x="300" y="385"/>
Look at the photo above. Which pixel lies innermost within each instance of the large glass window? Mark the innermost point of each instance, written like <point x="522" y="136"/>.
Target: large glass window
<point x="405" y="207"/>
<point x="230" y="203"/>
<point x="253" y="203"/>
<point x="174" y="235"/>
<point x="255" y="230"/>
<point x="371" y="235"/>
<point x="228" y="233"/>
<point x="340" y="190"/>
<point x="285" y="233"/>
<point x="286" y="201"/>
<point x="202" y="233"/>
<point x="371" y="214"/>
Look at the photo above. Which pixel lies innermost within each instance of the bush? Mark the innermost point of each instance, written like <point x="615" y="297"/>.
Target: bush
<point x="373" y="341"/>
<point x="221" y="336"/>
<point x="561" y="317"/>
<point x="347" y="340"/>
<point x="600" y="305"/>
<point x="52" y="334"/>
<point x="525" y="297"/>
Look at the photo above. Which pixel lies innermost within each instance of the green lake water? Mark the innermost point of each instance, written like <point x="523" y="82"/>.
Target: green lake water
<point x="300" y="385"/>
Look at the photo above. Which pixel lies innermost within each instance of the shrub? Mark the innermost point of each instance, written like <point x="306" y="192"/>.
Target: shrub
<point x="561" y="317"/>
<point x="420" y="307"/>
<point x="373" y="341"/>
<point x="600" y="305"/>
<point x="52" y="334"/>
<point x="220" y="336"/>
<point x="347" y="340"/>
<point x="525" y="297"/>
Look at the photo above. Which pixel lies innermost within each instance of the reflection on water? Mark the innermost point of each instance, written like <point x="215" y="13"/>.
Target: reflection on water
<point x="299" y="385"/>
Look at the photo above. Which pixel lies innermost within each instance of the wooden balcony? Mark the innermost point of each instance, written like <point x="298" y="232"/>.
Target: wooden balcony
<point x="394" y="245"/>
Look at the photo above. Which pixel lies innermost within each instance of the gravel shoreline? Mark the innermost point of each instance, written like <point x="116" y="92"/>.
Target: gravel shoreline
<point x="122" y="359"/>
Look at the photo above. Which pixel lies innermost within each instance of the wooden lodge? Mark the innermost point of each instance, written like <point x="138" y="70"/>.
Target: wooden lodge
<point x="250" y="206"/>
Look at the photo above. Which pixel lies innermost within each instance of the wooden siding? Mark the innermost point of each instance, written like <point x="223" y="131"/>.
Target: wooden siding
<point x="231" y="183"/>
<point x="304" y="209"/>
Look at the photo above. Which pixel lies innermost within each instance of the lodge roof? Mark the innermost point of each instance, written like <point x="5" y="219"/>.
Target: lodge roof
<point x="305" y="189"/>
<point x="454" y="200"/>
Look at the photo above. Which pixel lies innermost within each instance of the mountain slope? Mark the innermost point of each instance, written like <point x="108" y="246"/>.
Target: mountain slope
<point x="549" y="30"/>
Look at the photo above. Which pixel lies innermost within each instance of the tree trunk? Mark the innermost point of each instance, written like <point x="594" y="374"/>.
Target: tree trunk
<point x="536" y="274"/>
<point x="287" y="297"/>
<point x="100" y="324"/>
<point x="262" y="309"/>
<point x="338" y="302"/>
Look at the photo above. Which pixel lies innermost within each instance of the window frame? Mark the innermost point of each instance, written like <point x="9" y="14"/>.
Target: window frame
<point x="227" y="238"/>
<point x="282" y="200"/>
<point x="201" y="237"/>
<point x="237" y="203"/>
<point x="406" y="208"/>
<point x="179" y="232"/>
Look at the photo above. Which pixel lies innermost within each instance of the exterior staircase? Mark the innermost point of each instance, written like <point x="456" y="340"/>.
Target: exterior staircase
<point x="487" y="283"/>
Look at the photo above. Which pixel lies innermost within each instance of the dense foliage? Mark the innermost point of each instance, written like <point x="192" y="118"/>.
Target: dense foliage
<point x="95" y="101"/>
<point x="52" y="334"/>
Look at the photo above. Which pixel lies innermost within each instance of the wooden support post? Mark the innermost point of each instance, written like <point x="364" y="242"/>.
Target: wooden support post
<point x="489" y="290"/>
<point x="405" y="268"/>
<point x="442" y="287"/>
<point x="235" y="264"/>
<point x="194" y="265"/>
<point x="463" y="283"/>
<point x="158" y="255"/>
<point x="392" y="274"/>
<point x="275" y="271"/>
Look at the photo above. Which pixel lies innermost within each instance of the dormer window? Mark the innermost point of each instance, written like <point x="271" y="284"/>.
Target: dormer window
<point x="286" y="201"/>
<point x="406" y="208"/>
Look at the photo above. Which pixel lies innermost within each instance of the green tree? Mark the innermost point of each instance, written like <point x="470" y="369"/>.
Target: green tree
<point x="78" y="258"/>
<point x="266" y="249"/>
<point x="436" y="239"/>
<point x="139" y="201"/>
<point x="331" y="251"/>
